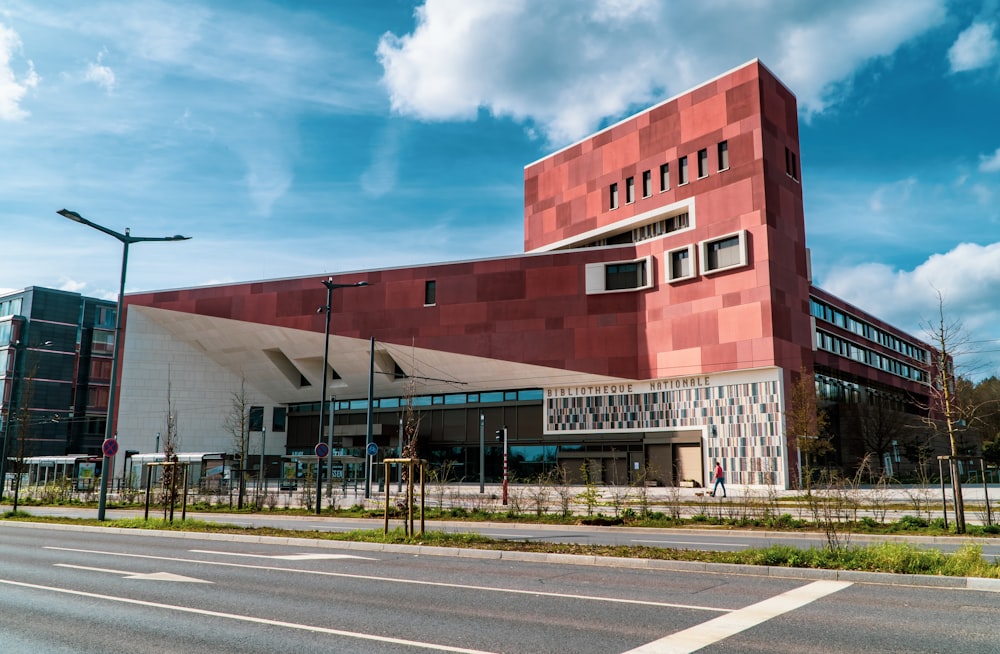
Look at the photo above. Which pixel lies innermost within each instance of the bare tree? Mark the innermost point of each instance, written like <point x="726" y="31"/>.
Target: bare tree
<point x="170" y="443"/>
<point x="411" y="429"/>
<point x="806" y="423"/>
<point x="881" y="425"/>
<point x="948" y="412"/>
<point x="237" y="424"/>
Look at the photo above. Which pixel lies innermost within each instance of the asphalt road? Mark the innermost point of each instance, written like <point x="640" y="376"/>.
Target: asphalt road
<point x="90" y="590"/>
<point x="698" y="539"/>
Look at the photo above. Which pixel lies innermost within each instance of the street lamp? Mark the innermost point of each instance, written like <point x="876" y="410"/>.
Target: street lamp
<point x="126" y="240"/>
<point x="326" y="373"/>
<point x="13" y="388"/>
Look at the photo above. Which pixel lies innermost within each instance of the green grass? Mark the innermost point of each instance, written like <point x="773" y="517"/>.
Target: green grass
<point x="899" y="558"/>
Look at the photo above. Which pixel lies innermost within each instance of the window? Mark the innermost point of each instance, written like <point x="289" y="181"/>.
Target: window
<point x="614" y="196"/>
<point x="723" y="253"/>
<point x="680" y="264"/>
<point x="256" y="418"/>
<point x="430" y="292"/>
<point x="613" y="276"/>
<point x="647" y="184"/>
<point x="621" y="276"/>
<point x="100" y="370"/>
<point x="278" y="418"/>
<point x="723" y="156"/>
<point x="683" y="177"/>
<point x="791" y="165"/>
<point x="702" y="163"/>
<point x="630" y="190"/>
<point x="664" y="177"/>
<point x="103" y="342"/>
<point x="661" y="227"/>
<point x="105" y="317"/>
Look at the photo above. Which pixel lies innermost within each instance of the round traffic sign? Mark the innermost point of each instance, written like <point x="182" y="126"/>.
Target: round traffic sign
<point x="322" y="449"/>
<point x="372" y="449"/>
<point x="109" y="447"/>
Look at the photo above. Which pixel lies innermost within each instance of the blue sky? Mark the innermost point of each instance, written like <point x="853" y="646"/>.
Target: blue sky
<point x="298" y="138"/>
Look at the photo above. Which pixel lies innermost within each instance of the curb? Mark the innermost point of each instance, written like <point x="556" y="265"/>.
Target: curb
<point x="855" y="576"/>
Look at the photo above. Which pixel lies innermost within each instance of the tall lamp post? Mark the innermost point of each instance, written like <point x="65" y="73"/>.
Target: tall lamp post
<point x="326" y="373"/>
<point x="126" y="240"/>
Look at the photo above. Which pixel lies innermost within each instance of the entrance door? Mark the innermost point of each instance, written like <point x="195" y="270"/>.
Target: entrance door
<point x="687" y="458"/>
<point x="659" y="459"/>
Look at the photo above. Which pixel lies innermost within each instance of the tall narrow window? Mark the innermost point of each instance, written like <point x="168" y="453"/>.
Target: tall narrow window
<point x="723" y="155"/>
<point x="430" y="292"/>
<point x="665" y="177"/>
<point x="647" y="184"/>
<point x="791" y="164"/>
<point x="702" y="163"/>
<point x="630" y="190"/>
<point x="613" y="204"/>
<point x="682" y="178"/>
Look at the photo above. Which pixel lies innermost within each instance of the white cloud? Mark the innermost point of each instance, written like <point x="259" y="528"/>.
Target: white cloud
<point x="967" y="276"/>
<point x="566" y="71"/>
<point x="100" y="74"/>
<point x="381" y="175"/>
<point x="12" y="88"/>
<point x="892" y="196"/>
<point x="990" y="163"/>
<point x="976" y="47"/>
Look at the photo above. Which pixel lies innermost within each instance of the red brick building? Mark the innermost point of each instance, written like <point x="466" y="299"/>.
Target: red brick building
<point x="661" y="310"/>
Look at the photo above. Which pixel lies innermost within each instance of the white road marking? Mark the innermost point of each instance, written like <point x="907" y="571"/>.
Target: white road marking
<point x="394" y="580"/>
<point x="287" y="557"/>
<point x="246" y="618"/>
<point x="142" y="576"/>
<point x="692" y="542"/>
<point x="712" y="631"/>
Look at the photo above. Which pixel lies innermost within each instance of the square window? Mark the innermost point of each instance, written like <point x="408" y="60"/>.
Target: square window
<point x="664" y="177"/>
<point x="683" y="177"/>
<point x="702" y="163"/>
<point x="647" y="184"/>
<point x="630" y="190"/>
<point x="613" y="204"/>
<point x="723" y="156"/>
<point x="723" y="253"/>
<point x="680" y="264"/>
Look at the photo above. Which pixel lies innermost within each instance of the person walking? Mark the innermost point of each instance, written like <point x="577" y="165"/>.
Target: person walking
<point x="720" y="479"/>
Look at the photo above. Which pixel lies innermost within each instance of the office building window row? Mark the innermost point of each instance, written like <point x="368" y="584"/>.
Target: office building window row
<point x="683" y="177"/>
<point x="823" y="311"/>
<point x="450" y="399"/>
<point x="849" y="350"/>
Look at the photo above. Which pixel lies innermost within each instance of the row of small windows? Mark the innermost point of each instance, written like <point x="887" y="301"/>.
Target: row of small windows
<point x="489" y="397"/>
<point x="839" y="390"/>
<point x="644" y="232"/>
<point x="722" y="160"/>
<point x="715" y="255"/>
<point x="847" y="349"/>
<point x="834" y="316"/>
